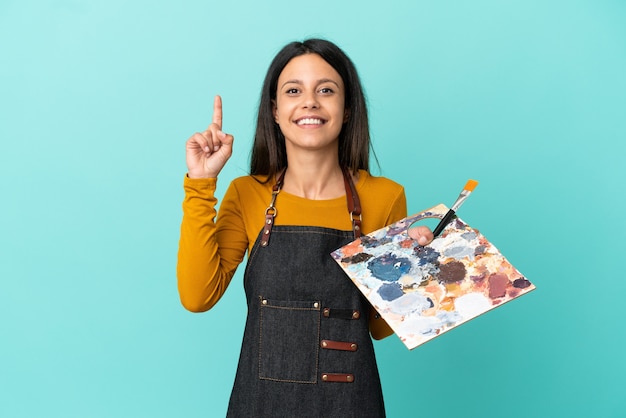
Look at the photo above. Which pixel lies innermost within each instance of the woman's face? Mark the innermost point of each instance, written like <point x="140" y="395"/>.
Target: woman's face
<point x="310" y="104"/>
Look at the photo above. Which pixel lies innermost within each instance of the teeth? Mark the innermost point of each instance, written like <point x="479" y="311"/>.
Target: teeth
<point x="310" y="121"/>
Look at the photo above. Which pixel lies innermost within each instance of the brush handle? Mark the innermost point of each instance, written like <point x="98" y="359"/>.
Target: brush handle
<point x="444" y="221"/>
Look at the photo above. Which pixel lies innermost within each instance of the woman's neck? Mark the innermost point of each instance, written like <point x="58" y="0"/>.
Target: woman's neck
<point x="314" y="179"/>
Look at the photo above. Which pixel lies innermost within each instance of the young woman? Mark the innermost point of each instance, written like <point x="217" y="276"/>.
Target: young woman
<point x="306" y="347"/>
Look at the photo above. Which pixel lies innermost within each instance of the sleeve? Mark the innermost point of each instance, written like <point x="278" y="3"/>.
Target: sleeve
<point x="378" y="327"/>
<point x="398" y="208"/>
<point x="208" y="251"/>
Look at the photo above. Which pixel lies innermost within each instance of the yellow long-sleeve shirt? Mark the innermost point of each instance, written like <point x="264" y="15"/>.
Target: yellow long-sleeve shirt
<point x="210" y="250"/>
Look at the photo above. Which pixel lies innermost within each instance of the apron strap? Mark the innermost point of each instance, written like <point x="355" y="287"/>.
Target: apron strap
<point x="271" y="211"/>
<point x="354" y="204"/>
<point x="354" y="207"/>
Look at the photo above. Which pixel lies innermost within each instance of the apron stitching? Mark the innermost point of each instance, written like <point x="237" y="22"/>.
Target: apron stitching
<point x="317" y="348"/>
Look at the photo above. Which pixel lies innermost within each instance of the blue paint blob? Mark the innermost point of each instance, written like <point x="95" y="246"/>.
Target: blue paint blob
<point x="369" y="242"/>
<point x="390" y="291"/>
<point x="469" y="235"/>
<point x="427" y="255"/>
<point x="389" y="267"/>
<point x="395" y="230"/>
<point x="459" y="252"/>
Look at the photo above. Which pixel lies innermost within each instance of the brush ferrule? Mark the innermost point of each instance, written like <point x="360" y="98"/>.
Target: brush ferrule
<point x="459" y="201"/>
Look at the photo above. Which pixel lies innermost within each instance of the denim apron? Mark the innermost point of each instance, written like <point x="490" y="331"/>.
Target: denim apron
<point x="306" y="349"/>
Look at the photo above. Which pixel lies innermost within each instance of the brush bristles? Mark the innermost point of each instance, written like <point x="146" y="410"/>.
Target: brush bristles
<point x="470" y="185"/>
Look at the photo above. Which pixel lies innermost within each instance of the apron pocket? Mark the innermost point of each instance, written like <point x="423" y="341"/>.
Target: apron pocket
<point x="289" y="340"/>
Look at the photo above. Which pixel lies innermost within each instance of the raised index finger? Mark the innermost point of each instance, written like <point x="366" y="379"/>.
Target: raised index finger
<point x="217" y="111"/>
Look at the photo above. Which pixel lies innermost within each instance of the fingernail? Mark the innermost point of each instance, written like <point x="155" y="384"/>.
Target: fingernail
<point x="422" y="240"/>
<point x="215" y="148"/>
<point x="206" y="149"/>
<point x="221" y="135"/>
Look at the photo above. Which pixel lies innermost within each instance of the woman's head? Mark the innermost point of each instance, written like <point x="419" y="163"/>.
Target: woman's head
<point x="269" y="154"/>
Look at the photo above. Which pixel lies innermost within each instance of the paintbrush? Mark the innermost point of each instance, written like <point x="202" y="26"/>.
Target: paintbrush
<point x="469" y="188"/>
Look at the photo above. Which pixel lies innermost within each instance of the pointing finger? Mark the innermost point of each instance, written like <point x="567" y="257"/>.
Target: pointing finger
<point x="217" y="111"/>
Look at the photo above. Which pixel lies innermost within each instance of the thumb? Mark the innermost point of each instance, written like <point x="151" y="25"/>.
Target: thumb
<point x="422" y="234"/>
<point x="225" y="139"/>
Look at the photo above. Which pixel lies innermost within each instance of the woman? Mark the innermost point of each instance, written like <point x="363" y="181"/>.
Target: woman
<point x="306" y="348"/>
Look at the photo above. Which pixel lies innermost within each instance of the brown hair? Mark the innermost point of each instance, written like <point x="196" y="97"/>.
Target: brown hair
<point x="269" y="155"/>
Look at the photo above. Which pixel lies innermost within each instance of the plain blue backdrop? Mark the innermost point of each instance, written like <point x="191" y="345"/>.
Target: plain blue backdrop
<point x="98" y="97"/>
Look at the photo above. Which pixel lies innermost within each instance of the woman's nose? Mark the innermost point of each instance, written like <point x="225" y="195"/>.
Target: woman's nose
<point x="310" y="101"/>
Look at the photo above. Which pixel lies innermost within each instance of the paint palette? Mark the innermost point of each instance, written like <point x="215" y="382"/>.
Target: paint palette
<point x="424" y="291"/>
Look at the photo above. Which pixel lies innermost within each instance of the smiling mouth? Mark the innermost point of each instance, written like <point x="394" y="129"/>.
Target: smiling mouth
<point x="310" y="121"/>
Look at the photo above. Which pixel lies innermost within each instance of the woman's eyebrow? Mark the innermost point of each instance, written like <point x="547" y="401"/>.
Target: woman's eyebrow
<point x="291" y="82"/>
<point x="327" y="80"/>
<point x="320" y="81"/>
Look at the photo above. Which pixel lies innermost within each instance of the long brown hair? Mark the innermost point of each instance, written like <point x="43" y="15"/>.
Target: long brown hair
<point x="269" y="155"/>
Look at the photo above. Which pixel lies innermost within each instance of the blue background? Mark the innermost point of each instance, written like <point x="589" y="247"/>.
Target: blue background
<point x="98" y="97"/>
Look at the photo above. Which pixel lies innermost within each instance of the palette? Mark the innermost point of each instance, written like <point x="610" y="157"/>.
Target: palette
<point x="424" y="291"/>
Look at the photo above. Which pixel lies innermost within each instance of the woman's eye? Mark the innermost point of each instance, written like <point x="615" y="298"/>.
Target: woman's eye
<point x="292" y="91"/>
<point x="326" y="90"/>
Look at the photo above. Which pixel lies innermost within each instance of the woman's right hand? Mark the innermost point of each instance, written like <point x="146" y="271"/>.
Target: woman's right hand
<point x="208" y="151"/>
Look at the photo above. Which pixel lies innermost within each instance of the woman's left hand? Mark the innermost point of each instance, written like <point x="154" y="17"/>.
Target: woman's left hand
<point x="422" y="234"/>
